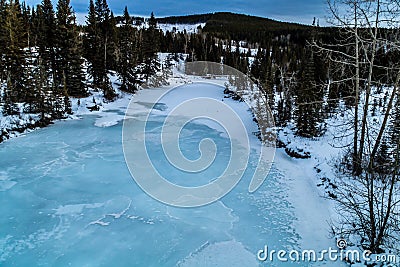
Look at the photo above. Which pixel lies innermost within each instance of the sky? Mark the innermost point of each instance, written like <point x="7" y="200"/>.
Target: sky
<point x="301" y="11"/>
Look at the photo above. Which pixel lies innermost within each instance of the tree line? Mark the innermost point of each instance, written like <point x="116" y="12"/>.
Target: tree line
<point x="46" y="56"/>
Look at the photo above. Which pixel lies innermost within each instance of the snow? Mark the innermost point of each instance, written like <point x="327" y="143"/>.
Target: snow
<point x="312" y="211"/>
<point x="109" y="114"/>
<point x="242" y="50"/>
<point x="10" y="125"/>
<point x="189" y="28"/>
<point x="172" y="28"/>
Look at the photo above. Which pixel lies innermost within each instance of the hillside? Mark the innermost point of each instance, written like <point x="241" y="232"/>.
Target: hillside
<point x="231" y="18"/>
<point x="189" y="19"/>
<point x="228" y="25"/>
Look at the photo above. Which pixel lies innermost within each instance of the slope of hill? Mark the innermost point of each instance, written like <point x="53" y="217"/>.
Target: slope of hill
<point x="189" y="19"/>
<point x="239" y="26"/>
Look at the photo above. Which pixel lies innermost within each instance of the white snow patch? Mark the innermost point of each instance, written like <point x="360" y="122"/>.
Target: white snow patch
<point x="76" y="209"/>
<point x="100" y="222"/>
<point x="189" y="28"/>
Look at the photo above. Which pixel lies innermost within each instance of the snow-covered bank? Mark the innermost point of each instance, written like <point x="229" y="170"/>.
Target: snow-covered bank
<point x="303" y="176"/>
<point x="15" y="125"/>
<point x="12" y="126"/>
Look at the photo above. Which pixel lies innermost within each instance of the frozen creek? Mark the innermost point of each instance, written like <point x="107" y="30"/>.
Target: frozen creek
<point x="68" y="199"/>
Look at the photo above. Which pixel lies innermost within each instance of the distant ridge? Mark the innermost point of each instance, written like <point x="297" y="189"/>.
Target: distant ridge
<point x="188" y="19"/>
<point x="229" y="25"/>
<point x="226" y="17"/>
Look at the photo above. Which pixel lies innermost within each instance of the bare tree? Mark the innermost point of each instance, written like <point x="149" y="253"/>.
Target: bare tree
<point x="367" y="193"/>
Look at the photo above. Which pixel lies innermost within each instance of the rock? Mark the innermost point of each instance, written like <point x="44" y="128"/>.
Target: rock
<point x="94" y="108"/>
<point x="298" y="153"/>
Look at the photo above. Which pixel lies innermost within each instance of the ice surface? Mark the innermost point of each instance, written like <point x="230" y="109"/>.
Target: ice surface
<point x="229" y="253"/>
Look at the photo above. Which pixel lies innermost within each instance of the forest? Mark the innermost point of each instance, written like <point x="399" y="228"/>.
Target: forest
<point x="48" y="58"/>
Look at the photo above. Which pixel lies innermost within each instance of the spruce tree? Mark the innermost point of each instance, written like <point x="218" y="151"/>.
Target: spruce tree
<point x="127" y="55"/>
<point x="112" y="42"/>
<point x="14" y="58"/>
<point x="47" y="38"/>
<point x="25" y="14"/>
<point x="309" y="97"/>
<point x="150" y="47"/>
<point x="394" y="129"/>
<point x="256" y="66"/>
<point x="91" y="44"/>
<point x="69" y="52"/>
<point x="152" y="21"/>
<point x="42" y="92"/>
<point x="3" y="14"/>
<point x="100" y="45"/>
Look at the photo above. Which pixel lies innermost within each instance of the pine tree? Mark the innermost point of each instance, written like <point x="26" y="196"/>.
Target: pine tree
<point x="14" y="58"/>
<point x="383" y="160"/>
<point x="152" y="21"/>
<point x="34" y="25"/>
<point x="256" y="66"/>
<point x="99" y="45"/>
<point x="3" y="14"/>
<point x="127" y="55"/>
<point x="394" y="129"/>
<point x="41" y="90"/>
<point x="112" y="42"/>
<point x="91" y="44"/>
<point x="150" y="47"/>
<point x="267" y="81"/>
<point x="46" y="39"/>
<point x="309" y="100"/>
<point x="25" y="14"/>
<point x="69" y="52"/>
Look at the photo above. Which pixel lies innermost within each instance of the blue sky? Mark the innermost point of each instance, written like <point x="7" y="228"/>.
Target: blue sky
<point x="301" y="11"/>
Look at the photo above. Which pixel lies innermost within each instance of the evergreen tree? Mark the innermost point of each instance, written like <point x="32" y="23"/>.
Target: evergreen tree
<point x="256" y="66"/>
<point x="383" y="160"/>
<point x="47" y="38"/>
<point x="41" y="90"/>
<point x="112" y="42"/>
<point x="69" y="52"/>
<point x="152" y="21"/>
<point x="3" y="14"/>
<point x="127" y="55"/>
<point x="99" y="44"/>
<point x="25" y="14"/>
<point x="13" y="35"/>
<point x="394" y="129"/>
<point x="150" y="47"/>
<point x="309" y="99"/>
<point x="91" y="44"/>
